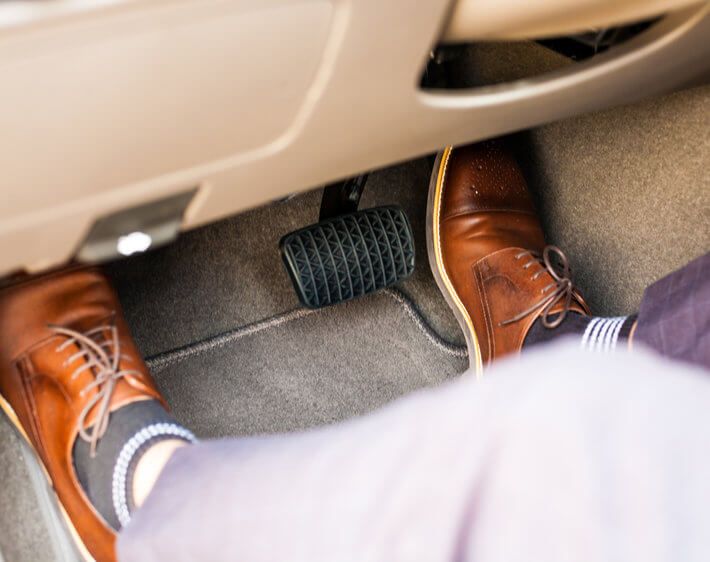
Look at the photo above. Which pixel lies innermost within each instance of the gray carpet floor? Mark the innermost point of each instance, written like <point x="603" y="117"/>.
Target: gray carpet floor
<point x="305" y="367"/>
<point x="624" y="192"/>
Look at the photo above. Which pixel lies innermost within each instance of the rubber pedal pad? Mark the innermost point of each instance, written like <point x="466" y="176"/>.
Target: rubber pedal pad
<point x="349" y="256"/>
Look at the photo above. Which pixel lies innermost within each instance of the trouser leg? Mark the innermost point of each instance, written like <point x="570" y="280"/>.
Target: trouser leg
<point x="555" y="456"/>
<point x="674" y="317"/>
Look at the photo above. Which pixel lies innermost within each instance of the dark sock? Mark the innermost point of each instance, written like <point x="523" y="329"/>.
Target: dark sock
<point x="107" y="476"/>
<point x="596" y="333"/>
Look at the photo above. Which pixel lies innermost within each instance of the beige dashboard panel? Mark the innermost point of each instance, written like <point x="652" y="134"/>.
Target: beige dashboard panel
<point x="141" y="99"/>
<point x="108" y="105"/>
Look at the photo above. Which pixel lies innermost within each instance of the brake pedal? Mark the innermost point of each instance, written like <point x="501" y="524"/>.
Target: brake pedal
<point x="349" y="256"/>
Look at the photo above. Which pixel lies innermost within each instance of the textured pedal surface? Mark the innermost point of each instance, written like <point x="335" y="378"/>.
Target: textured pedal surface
<point x="349" y="256"/>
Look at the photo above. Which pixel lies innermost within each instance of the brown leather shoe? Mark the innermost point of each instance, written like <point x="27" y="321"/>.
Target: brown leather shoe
<point x="66" y="362"/>
<point x="488" y="254"/>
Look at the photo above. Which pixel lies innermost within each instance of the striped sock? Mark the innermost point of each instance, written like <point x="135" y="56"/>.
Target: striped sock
<point x="107" y="476"/>
<point x="131" y="453"/>
<point x="597" y="334"/>
<point x="602" y="335"/>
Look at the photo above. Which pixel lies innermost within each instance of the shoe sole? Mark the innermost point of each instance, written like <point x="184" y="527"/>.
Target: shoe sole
<point x="14" y="420"/>
<point x="436" y="262"/>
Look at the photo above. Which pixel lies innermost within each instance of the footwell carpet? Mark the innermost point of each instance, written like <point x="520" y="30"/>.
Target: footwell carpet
<point x="305" y="367"/>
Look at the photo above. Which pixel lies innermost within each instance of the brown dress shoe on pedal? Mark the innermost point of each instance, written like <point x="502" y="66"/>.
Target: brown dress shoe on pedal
<point x="66" y="362"/>
<point x="488" y="254"/>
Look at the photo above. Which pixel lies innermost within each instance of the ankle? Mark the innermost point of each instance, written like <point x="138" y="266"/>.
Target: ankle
<point x="146" y="439"/>
<point x="150" y="466"/>
<point x="595" y="333"/>
<point x="632" y="333"/>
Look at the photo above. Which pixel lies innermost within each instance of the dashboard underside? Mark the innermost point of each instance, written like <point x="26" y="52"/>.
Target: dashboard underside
<point x="119" y="104"/>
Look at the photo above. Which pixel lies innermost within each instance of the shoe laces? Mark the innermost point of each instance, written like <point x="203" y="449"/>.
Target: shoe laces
<point x="560" y="289"/>
<point x="102" y="356"/>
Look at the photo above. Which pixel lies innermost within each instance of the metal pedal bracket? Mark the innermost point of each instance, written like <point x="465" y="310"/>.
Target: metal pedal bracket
<point x="349" y="256"/>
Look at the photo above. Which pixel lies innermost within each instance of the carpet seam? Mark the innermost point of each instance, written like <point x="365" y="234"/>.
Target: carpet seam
<point x="161" y="361"/>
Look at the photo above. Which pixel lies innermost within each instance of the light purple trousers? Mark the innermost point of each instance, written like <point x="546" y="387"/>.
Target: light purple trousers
<point x="554" y="456"/>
